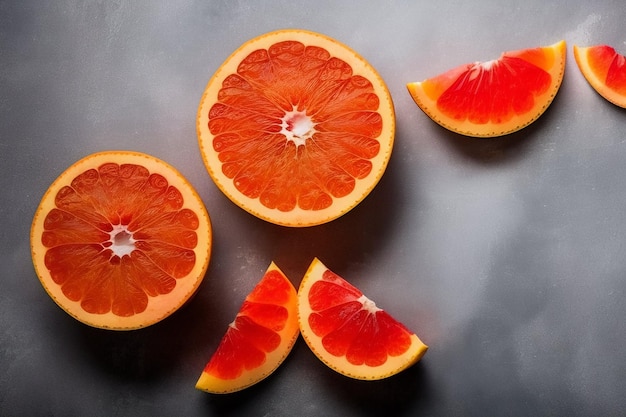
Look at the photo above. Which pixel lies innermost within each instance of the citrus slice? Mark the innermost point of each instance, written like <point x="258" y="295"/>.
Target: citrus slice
<point x="348" y="332"/>
<point x="493" y="98"/>
<point x="258" y="340"/>
<point x="296" y="128"/>
<point x="605" y="70"/>
<point x="120" y="240"/>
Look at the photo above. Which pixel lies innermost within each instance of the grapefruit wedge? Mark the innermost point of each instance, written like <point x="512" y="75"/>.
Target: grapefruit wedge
<point x="493" y="98"/>
<point x="605" y="70"/>
<point x="120" y="240"/>
<point x="258" y="340"/>
<point x="348" y="332"/>
<point x="296" y="128"/>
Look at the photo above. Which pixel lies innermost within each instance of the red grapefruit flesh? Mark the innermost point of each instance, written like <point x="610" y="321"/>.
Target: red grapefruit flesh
<point x="258" y="340"/>
<point x="605" y="70"/>
<point x="296" y="128"/>
<point x="121" y="240"/>
<point x="348" y="332"/>
<point x="493" y="98"/>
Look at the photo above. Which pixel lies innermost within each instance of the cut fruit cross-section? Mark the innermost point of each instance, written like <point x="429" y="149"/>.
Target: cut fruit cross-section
<point x="493" y="98"/>
<point x="121" y="240"/>
<point x="348" y="332"/>
<point x="605" y="70"/>
<point x="296" y="128"/>
<point x="258" y="340"/>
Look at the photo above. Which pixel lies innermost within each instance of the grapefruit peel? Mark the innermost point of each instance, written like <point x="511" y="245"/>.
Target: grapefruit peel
<point x="605" y="70"/>
<point x="258" y="340"/>
<point x="493" y="98"/>
<point x="383" y="347"/>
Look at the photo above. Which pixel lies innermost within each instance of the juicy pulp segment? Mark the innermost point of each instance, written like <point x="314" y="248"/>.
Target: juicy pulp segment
<point x="496" y="97"/>
<point x="368" y="337"/>
<point x="348" y="332"/>
<point x="605" y="70"/>
<point x="258" y="340"/>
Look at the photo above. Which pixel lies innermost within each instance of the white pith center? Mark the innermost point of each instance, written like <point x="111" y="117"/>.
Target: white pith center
<point x="122" y="242"/>
<point x="488" y="64"/>
<point x="368" y="305"/>
<point x="479" y="67"/>
<point x="297" y="126"/>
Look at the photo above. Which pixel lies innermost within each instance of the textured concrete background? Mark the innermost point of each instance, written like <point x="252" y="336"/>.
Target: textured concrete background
<point x="506" y="255"/>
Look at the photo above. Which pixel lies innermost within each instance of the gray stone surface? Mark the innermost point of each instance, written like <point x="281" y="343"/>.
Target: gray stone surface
<point x="506" y="256"/>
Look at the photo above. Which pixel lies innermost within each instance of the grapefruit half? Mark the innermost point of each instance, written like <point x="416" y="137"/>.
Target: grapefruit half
<point x="493" y="98"/>
<point x="296" y="128"/>
<point x="348" y="332"/>
<point x="605" y="70"/>
<point x="120" y="240"/>
<point x="258" y="340"/>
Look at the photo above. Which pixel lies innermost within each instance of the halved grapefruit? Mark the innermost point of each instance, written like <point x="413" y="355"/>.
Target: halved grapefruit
<point x="605" y="70"/>
<point x="258" y="340"/>
<point x="493" y="98"/>
<point x="121" y="240"/>
<point x="348" y="332"/>
<point x="296" y="128"/>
